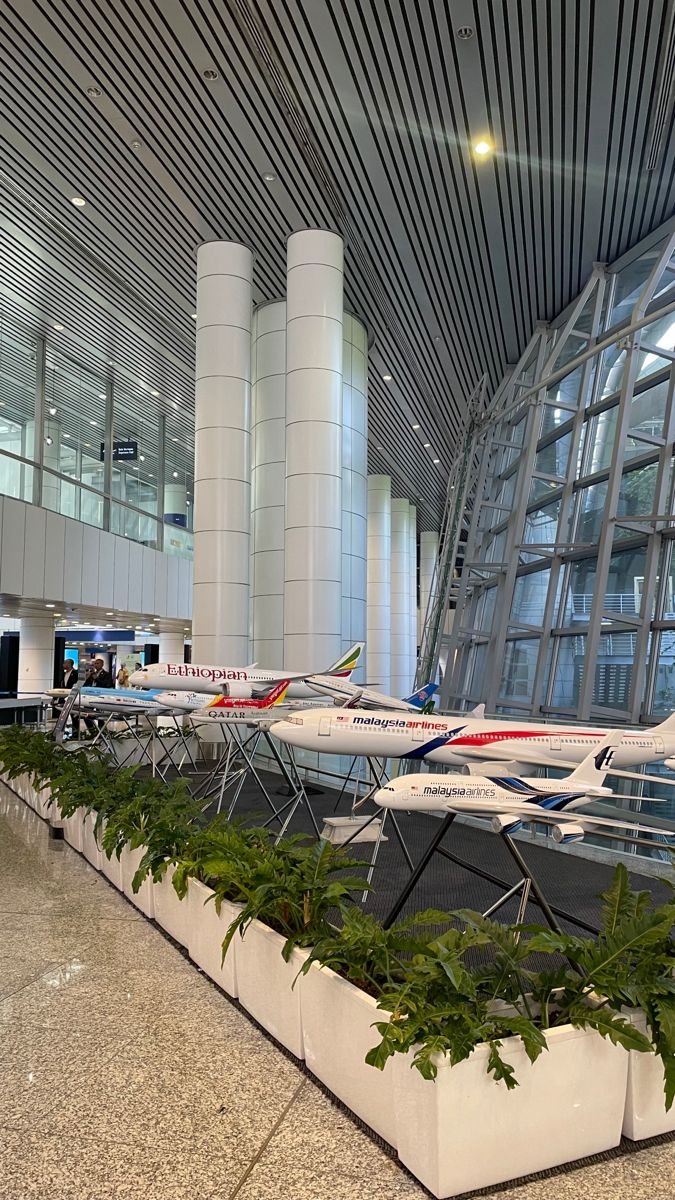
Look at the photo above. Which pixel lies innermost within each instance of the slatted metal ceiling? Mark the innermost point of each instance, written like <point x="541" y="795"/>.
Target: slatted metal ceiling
<point x="365" y="110"/>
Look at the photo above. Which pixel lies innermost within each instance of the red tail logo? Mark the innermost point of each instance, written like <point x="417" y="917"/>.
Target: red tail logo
<point x="276" y="695"/>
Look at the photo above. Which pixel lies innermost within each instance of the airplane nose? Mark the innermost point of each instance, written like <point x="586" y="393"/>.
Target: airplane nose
<point x="383" y="798"/>
<point x="285" y="732"/>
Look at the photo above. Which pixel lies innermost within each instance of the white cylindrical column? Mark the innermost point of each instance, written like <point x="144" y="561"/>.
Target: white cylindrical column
<point x="171" y="645"/>
<point x="175" y="504"/>
<point x="268" y="483"/>
<point x="354" y="485"/>
<point x="222" y="500"/>
<point x="36" y="655"/>
<point x="428" y="558"/>
<point x="412" y="601"/>
<point x="400" y="598"/>
<point x="313" y="523"/>
<point x="378" y="637"/>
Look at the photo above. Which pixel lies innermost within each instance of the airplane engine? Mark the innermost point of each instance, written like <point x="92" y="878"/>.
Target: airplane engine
<point x="505" y="824"/>
<point x="562" y="834"/>
<point x="669" y="763"/>
<point x="237" y="690"/>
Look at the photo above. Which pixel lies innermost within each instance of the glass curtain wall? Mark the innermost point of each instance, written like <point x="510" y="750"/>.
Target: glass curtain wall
<point x="59" y="414"/>
<point x="567" y="608"/>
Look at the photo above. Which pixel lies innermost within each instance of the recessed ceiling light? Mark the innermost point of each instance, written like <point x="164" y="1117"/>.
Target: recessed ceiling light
<point x="142" y="457"/>
<point x="380" y="447"/>
<point x="5" y="614"/>
<point x="50" y="606"/>
<point x="174" y="439"/>
<point x="269" y="176"/>
<point x="110" y="614"/>
<point x="175" y="474"/>
<point x="52" y="411"/>
<point x="464" y="33"/>
<point x="93" y="93"/>
<point x="210" y="74"/>
<point x="136" y="145"/>
<point x="101" y="395"/>
<point x="93" y="422"/>
<point x="437" y="460"/>
<point x="59" y="328"/>
<point x="49" y="440"/>
<point x="135" y="468"/>
<point x="188" y="502"/>
<point x="386" y="378"/>
<point x="415" y="426"/>
<point x="194" y="316"/>
<point x="153" y="393"/>
<point x="437" y="337"/>
<point x="66" y="435"/>
<point x="427" y="445"/>
<point x="482" y="147"/>
<point x="87" y="445"/>
<point x="150" y="475"/>
<point x="78" y="201"/>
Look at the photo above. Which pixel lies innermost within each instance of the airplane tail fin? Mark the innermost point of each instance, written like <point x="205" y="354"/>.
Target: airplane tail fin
<point x="478" y="713"/>
<point x="422" y="696"/>
<point x="276" y="695"/>
<point x="667" y="726"/>
<point x="591" y="772"/>
<point x="347" y="663"/>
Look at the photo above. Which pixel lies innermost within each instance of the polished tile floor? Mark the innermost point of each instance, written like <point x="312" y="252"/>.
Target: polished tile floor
<point x="126" y="1074"/>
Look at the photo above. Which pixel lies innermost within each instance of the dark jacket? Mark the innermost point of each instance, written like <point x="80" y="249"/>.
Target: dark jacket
<point x="103" y="680"/>
<point x="70" y="680"/>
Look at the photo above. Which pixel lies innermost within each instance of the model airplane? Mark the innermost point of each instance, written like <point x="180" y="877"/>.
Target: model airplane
<point x="513" y="801"/>
<point x="500" y="746"/>
<point x="226" y="709"/>
<point x="241" y="683"/>
<point x="351" y="695"/>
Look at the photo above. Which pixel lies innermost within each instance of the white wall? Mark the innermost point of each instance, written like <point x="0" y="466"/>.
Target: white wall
<point x="44" y="556"/>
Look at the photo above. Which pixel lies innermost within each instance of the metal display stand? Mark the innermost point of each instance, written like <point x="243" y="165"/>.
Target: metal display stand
<point x="527" y="886"/>
<point x="146" y="742"/>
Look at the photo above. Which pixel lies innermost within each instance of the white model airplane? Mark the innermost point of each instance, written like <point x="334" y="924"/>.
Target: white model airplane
<point x="515" y="801"/>
<point x="146" y="700"/>
<point x="351" y="695"/>
<point x="241" y="683"/>
<point x="227" y="709"/>
<point x="500" y="746"/>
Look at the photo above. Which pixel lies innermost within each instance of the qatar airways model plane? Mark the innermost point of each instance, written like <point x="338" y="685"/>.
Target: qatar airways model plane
<point x="512" y="802"/>
<point x="227" y="709"/>
<point x="500" y="746"/>
<point x="240" y="683"/>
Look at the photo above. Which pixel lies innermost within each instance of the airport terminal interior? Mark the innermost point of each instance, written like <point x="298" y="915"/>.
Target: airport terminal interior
<point x="337" y="599"/>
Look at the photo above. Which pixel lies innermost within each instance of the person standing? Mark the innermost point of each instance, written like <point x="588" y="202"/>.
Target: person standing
<point x="70" y="675"/>
<point x="123" y="676"/>
<point x="98" y="676"/>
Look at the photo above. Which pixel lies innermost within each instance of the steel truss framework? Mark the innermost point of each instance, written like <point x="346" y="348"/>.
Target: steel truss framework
<point x="563" y="490"/>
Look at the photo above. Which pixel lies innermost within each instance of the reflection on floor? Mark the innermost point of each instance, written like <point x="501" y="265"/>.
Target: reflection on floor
<point x="126" y="1074"/>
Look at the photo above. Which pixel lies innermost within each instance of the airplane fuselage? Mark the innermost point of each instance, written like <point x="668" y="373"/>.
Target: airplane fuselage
<point x="433" y="793"/>
<point x="238" y="682"/>
<point x="450" y="740"/>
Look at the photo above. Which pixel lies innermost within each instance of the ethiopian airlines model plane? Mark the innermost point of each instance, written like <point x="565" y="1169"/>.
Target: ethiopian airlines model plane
<point x="240" y="683"/>
<point x="498" y="745"/>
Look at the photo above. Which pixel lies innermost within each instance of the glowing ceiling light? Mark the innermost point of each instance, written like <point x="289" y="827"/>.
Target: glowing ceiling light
<point x="482" y="148"/>
<point x="59" y="328"/>
<point x="386" y="378"/>
<point x="78" y="201"/>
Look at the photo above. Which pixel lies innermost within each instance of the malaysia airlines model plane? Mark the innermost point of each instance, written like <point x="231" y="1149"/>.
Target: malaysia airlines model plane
<point x="513" y="801"/>
<point x="499" y="745"/>
<point x="240" y="683"/>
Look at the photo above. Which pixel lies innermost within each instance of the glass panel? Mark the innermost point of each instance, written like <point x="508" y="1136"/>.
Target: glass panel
<point x="520" y="661"/>
<point x="529" y="597"/>
<point x="661" y="335"/>
<point x="636" y="496"/>
<point x="648" y="409"/>
<point x="71" y="500"/>
<point x="178" y="477"/>
<point x="541" y="525"/>
<point x="16" y="478"/>
<point x="478" y="669"/>
<point x="602" y="432"/>
<point x="485" y="610"/>
<point x="580" y="591"/>
<point x="135" y="525"/>
<point x="591" y="507"/>
<point x="664" y="691"/>
<point x="178" y="541"/>
<point x="625" y="581"/>
<point x="540" y="489"/>
<point x="567" y="390"/>
<point x="614" y="669"/>
<point x="630" y="282"/>
<point x="568" y="671"/>
<point x="552" y="418"/>
<point x="552" y="460"/>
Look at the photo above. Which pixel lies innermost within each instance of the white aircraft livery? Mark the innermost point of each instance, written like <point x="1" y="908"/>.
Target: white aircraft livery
<point x="513" y="801"/>
<point x="241" y="683"/>
<point x="458" y="741"/>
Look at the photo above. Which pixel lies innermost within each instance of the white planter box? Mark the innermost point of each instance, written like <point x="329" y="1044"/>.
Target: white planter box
<point x="265" y="983"/>
<point x="111" y="867"/>
<point x="206" y="933"/>
<point x="90" y="846"/>
<point x="170" y="912"/>
<point x="337" y="1030"/>
<point x="143" y="898"/>
<point x="645" y="1115"/>
<point x="72" y="829"/>
<point x="42" y="806"/>
<point x="464" y="1131"/>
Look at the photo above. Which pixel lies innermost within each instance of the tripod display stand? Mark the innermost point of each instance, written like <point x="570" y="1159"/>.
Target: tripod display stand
<point x="527" y="887"/>
<point x="153" y="750"/>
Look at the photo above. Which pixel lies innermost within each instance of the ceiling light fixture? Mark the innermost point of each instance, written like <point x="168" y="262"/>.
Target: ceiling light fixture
<point x="59" y="328"/>
<point x="66" y="435"/>
<point x="482" y="148"/>
<point x="464" y="33"/>
<point x="52" y="411"/>
<point x="427" y="445"/>
<point x="174" y="439"/>
<point x="386" y="378"/>
<point x="269" y="176"/>
<point x="194" y="316"/>
<point x="136" y="145"/>
<point x="101" y="395"/>
<point x="153" y="393"/>
<point x="49" y="440"/>
<point x="50" y="606"/>
<point x="93" y="422"/>
<point x="110" y="614"/>
<point x="94" y="93"/>
<point x="437" y="460"/>
<point x="142" y="457"/>
<point x="415" y="426"/>
<point x="175" y="474"/>
<point x="78" y="201"/>
<point x="210" y="74"/>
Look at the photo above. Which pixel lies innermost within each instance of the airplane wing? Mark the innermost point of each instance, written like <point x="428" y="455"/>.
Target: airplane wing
<point x="537" y="758"/>
<point x="534" y="813"/>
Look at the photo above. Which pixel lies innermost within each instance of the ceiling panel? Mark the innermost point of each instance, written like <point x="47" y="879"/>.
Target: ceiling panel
<point x="366" y="112"/>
